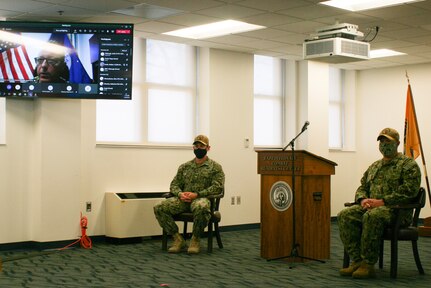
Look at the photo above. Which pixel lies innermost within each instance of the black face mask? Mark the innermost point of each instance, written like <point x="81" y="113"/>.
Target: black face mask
<point x="200" y="153"/>
<point x="388" y="149"/>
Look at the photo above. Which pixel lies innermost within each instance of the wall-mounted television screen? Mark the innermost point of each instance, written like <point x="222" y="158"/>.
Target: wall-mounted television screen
<point x="66" y="60"/>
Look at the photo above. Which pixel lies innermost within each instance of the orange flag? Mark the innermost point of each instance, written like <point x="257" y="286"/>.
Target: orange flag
<point x="411" y="132"/>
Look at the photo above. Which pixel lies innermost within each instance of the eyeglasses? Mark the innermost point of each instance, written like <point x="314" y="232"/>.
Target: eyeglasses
<point x="199" y="146"/>
<point x="50" y="61"/>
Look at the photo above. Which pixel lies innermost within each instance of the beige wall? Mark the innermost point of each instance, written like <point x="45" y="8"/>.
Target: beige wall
<point x="380" y="102"/>
<point x="51" y="166"/>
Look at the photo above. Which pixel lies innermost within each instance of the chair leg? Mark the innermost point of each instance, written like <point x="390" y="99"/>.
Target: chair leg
<point x="217" y="233"/>
<point x="394" y="258"/>
<point x="164" y="240"/>
<point x="346" y="260"/>
<point x="210" y="237"/>
<point x="417" y="259"/>
<point x="185" y="230"/>
<point x="382" y="250"/>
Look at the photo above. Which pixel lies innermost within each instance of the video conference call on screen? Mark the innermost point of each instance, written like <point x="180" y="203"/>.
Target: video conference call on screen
<point x="66" y="60"/>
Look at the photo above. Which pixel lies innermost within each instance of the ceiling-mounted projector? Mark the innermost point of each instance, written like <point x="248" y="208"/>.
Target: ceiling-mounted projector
<point x="343" y="30"/>
<point x="336" y="44"/>
<point x="336" y="50"/>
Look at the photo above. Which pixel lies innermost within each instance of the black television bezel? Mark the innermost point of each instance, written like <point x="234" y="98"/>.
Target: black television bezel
<point x="44" y="27"/>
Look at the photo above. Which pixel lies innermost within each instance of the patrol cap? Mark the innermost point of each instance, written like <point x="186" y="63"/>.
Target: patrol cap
<point x="389" y="133"/>
<point x="201" y="139"/>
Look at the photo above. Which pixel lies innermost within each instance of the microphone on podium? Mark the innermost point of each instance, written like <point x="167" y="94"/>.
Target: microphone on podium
<point x="291" y="143"/>
<point x="305" y="126"/>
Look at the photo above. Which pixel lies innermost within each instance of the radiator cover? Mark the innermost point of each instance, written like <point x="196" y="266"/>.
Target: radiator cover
<point x="131" y="214"/>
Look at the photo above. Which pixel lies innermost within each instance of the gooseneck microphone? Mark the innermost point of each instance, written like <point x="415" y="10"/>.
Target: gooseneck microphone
<point x="291" y="143"/>
<point x="305" y="126"/>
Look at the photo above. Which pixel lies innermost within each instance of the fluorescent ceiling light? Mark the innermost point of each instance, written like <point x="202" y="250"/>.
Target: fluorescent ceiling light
<point x="214" y="29"/>
<point x="358" y="5"/>
<point x="380" y="53"/>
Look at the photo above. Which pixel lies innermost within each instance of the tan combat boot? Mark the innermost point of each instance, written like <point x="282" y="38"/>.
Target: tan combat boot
<point x="178" y="244"/>
<point x="364" y="271"/>
<point x="194" y="247"/>
<point x="352" y="268"/>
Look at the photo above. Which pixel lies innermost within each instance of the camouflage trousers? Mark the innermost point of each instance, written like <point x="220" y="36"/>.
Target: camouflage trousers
<point x="361" y="231"/>
<point x="200" y="207"/>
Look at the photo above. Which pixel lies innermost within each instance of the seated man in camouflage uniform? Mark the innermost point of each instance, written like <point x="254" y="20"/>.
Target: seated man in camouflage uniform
<point x="395" y="179"/>
<point x="194" y="180"/>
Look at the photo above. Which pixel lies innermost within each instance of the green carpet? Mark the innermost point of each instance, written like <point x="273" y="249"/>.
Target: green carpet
<point x="237" y="265"/>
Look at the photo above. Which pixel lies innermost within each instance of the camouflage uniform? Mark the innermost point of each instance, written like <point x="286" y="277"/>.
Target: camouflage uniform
<point x="396" y="181"/>
<point x="205" y="179"/>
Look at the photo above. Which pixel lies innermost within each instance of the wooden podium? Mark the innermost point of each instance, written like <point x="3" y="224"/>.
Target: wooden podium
<point x="311" y="198"/>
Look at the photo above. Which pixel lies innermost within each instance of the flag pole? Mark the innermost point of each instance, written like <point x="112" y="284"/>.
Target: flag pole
<point x="420" y="141"/>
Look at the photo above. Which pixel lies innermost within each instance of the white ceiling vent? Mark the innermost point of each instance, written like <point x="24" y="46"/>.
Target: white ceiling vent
<point x="336" y="50"/>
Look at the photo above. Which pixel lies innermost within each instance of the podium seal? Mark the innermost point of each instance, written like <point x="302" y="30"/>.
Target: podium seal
<point x="281" y="196"/>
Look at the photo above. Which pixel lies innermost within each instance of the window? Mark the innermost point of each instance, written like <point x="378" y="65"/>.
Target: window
<point x="171" y="80"/>
<point x="162" y="110"/>
<point x="268" y="101"/>
<point x="336" y="108"/>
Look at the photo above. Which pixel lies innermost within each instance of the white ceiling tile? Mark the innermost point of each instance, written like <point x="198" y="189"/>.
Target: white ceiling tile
<point x="273" y="5"/>
<point x="406" y="33"/>
<point x="186" y="5"/>
<point x="99" y="5"/>
<point x="292" y="38"/>
<point x="230" y="12"/>
<point x="261" y="44"/>
<point x="22" y="6"/>
<point x="406" y="59"/>
<point x="10" y="14"/>
<point x="426" y="55"/>
<point x="289" y="22"/>
<point x="416" y="21"/>
<point x="115" y="18"/>
<point x="156" y="27"/>
<point x="414" y="49"/>
<point x="148" y="11"/>
<point x="394" y="12"/>
<point x="393" y="44"/>
<point x="388" y="25"/>
<point x="67" y="11"/>
<point x="306" y="27"/>
<point x="424" y="40"/>
<point x="270" y="19"/>
<point x="422" y="4"/>
<point x="189" y="19"/>
<point x="347" y="17"/>
<point x="267" y="34"/>
<point x="230" y="39"/>
<point x="311" y="12"/>
<point x="289" y="49"/>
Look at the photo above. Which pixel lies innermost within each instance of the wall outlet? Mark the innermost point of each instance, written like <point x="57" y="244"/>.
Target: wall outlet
<point x="232" y="200"/>
<point x="238" y="200"/>
<point x="88" y="206"/>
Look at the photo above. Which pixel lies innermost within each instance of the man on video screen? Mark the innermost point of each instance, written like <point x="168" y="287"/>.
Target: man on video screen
<point x="51" y="68"/>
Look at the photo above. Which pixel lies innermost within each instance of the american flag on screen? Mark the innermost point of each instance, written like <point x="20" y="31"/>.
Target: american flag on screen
<point x="15" y="64"/>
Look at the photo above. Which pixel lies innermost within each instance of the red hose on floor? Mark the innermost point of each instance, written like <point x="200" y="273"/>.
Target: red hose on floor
<point x="85" y="241"/>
